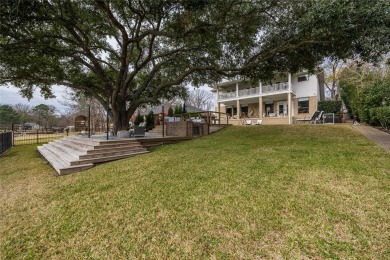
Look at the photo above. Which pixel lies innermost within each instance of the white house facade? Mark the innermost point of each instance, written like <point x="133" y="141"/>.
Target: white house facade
<point x="280" y="101"/>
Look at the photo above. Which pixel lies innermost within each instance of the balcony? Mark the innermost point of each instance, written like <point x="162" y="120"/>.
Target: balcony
<point x="274" y="88"/>
<point x="249" y="92"/>
<point x="280" y="87"/>
<point x="228" y="95"/>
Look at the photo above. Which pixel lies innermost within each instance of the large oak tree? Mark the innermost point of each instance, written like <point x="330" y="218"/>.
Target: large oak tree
<point x="135" y="52"/>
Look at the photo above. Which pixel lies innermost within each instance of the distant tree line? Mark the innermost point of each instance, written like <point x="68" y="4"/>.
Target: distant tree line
<point x="43" y="115"/>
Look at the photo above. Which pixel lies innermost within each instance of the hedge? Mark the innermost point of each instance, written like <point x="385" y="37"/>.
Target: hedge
<point x="383" y="115"/>
<point x="329" y="106"/>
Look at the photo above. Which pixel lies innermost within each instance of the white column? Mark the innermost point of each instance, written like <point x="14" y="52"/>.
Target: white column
<point x="237" y="89"/>
<point x="261" y="87"/>
<point x="260" y="107"/>
<point x="289" y="99"/>
<point x="238" y="109"/>
<point x="217" y="93"/>
<point x="289" y="109"/>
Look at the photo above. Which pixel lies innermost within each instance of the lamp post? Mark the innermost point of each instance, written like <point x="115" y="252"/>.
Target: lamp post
<point x="89" y="119"/>
<point x="108" y="108"/>
<point x="163" y="121"/>
<point x="184" y="109"/>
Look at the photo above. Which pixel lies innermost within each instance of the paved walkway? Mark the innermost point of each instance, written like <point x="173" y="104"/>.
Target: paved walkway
<point x="380" y="138"/>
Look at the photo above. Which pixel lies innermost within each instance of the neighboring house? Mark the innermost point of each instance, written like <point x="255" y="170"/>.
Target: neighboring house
<point x="157" y="111"/>
<point x="80" y="123"/>
<point x="30" y="126"/>
<point x="280" y="101"/>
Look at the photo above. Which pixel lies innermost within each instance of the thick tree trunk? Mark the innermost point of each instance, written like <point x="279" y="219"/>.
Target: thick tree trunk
<point x="120" y="118"/>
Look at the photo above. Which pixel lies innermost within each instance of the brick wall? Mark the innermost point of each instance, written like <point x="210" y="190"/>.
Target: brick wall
<point x="183" y="128"/>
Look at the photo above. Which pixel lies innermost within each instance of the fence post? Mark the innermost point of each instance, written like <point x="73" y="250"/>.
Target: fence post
<point x="12" y="130"/>
<point x="37" y="136"/>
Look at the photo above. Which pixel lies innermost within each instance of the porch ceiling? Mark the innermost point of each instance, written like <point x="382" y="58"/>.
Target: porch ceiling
<point x="250" y="100"/>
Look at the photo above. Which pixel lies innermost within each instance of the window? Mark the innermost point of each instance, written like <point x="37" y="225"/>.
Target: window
<point x="303" y="78"/>
<point x="303" y="105"/>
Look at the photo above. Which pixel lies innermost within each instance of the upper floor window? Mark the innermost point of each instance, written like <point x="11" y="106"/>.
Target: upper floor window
<point x="303" y="78"/>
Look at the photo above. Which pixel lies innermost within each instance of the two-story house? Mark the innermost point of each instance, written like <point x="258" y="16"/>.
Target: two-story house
<point x="280" y="101"/>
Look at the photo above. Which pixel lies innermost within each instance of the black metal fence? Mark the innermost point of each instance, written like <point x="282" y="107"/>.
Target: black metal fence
<point x="6" y="141"/>
<point x="23" y="134"/>
<point x="36" y="137"/>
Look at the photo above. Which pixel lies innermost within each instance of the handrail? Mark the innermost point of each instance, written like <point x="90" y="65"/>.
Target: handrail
<point x="209" y="116"/>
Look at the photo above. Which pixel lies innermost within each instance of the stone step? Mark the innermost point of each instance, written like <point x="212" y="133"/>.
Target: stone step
<point x="53" y="159"/>
<point x="157" y="130"/>
<point x="106" y="158"/>
<point x="80" y="145"/>
<point x="60" y="166"/>
<point x="120" y="148"/>
<point x="69" y="150"/>
<point x="116" y="145"/>
<point x="84" y="140"/>
<point x="93" y="144"/>
<point x="119" y="141"/>
<point x="111" y="153"/>
<point x="73" y="154"/>
<point x="106" y="149"/>
<point x="74" y="145"/>
<point x="66" y="157"/>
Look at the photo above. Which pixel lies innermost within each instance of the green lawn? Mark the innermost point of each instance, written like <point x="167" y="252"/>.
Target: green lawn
<point x="301" y="191"/>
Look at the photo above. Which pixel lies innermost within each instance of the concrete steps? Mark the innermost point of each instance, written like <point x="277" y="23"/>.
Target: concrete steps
<point x="74" y="154"/>
<point x="157" y="130"/>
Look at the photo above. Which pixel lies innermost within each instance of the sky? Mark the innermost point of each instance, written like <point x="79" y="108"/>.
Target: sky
<point x="11" y="96"/>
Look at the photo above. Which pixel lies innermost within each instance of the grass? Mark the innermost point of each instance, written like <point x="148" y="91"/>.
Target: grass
<point x="301" y="191"/>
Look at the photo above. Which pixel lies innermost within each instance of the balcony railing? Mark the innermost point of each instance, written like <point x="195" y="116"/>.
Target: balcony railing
<point x="227" y="95"/>
<point x="275" y="87"/>
<point x="279" y="87"/>
<point x="249" y="92"/>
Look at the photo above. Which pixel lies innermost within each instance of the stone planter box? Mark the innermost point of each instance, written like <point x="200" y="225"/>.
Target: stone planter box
<point x="123" y="134"/>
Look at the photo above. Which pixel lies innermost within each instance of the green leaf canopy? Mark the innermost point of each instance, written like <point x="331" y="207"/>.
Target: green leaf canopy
<point x="130" y="53"/>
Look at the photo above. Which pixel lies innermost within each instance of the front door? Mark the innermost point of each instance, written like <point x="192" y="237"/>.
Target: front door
<point x="282" y="108"/>
<point x="269" y="108"/>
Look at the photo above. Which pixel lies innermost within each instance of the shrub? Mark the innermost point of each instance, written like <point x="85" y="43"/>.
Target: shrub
<point x="178" y="110"/>
<point x="383" y="115"/>
<point x="373" y="116"/>
<point x="139" y="119"/>
<point x="329" y="106"/>
<point x="170" y="111"/>
<point x="150" y="121"/>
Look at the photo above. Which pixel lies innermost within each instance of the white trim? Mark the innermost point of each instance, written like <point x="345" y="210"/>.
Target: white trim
<point x="289" y="108"/>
